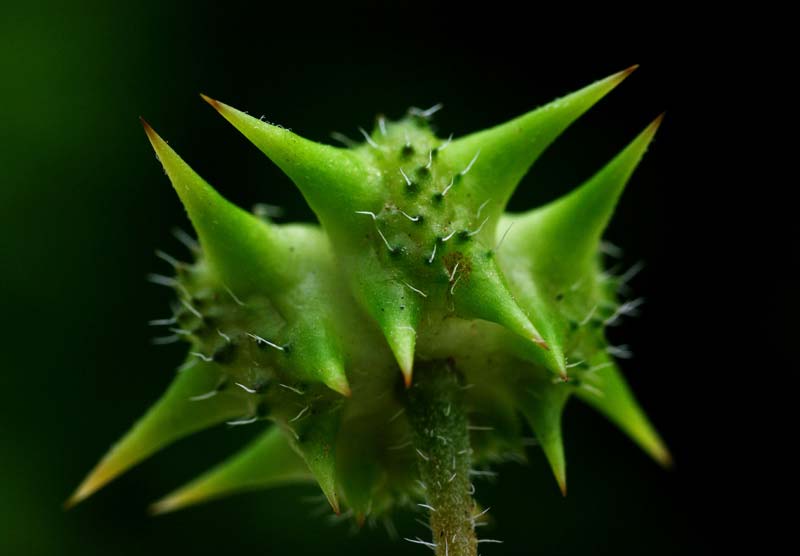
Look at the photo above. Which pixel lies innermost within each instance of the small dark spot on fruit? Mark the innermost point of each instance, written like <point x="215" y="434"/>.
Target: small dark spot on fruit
<point x="438" y="197"/>
<point x="407" y="150"/>
<point x="287" y="349"/>
<point x="261" y="384"/>
<point x="463" y="235"/>
<point x="423" y="172"/>
<point x="209" y="322"/>
<point x="559" y="296"/>
<point x="225" y="354"/>
<point x="262" y="410"/>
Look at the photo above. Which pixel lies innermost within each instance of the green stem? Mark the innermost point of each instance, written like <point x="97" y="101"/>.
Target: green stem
<point x="441" y="438"/>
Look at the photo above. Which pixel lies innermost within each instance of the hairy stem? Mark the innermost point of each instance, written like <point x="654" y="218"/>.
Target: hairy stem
<point x="441" y="438"/>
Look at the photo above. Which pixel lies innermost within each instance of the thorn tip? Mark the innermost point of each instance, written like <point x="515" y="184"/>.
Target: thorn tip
<point x="159" y="508"/>
<point x="148" y="129"/>
<point x="664" y="458"/>
<point x="344" y="389"/>
<point x="654" y="125"/>
<point x="627" y="71"/>
<point x="408" y="377"/>
<point x="214" y="103"/>
<point x="71" y="502"/>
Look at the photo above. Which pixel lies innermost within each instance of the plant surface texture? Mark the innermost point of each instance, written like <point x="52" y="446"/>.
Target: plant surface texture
<point x="415" y="336"/>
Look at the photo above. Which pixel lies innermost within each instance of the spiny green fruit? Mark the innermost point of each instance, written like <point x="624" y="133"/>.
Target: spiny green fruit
<point x="406" y="338"/>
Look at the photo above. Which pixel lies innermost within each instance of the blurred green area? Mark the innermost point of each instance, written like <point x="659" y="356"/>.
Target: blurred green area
<point x="83" y="205"/>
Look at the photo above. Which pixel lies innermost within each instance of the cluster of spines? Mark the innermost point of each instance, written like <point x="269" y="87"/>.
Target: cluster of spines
<point x="454" y="197"/>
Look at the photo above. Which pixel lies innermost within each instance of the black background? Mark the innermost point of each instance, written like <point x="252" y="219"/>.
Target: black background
<point x="85" y="204"/>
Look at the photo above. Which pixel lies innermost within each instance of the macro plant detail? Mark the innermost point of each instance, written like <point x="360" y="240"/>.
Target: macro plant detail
<point x="405" y="343"/>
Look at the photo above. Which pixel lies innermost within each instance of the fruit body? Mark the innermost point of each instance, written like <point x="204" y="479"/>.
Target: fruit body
<point x="409" y="336"/>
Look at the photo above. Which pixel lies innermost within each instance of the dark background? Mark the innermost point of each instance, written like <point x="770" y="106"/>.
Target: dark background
<point x="84" y="203"/>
